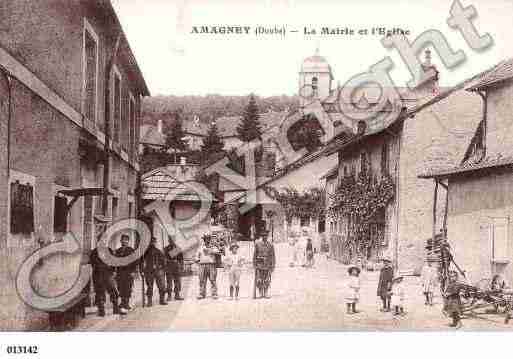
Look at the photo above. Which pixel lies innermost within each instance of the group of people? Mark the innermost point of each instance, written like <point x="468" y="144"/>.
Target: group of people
<point x="161" y="267"/>
<point x="165" y="267"/>
<point x="390" y="289"/>
<point x="264" y="262"/>
<point x="303" y="250"/>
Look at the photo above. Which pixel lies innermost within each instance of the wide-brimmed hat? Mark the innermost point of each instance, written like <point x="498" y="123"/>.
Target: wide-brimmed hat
<point x="397" y="279"/>
<point x="234" y="245"/>
<point x="350" y="269"/>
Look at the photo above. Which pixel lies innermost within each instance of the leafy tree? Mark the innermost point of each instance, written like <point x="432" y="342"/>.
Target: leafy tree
<point x="306" y="133"/>
<point x="212" y="143"/>
<point x="249" y="128"/>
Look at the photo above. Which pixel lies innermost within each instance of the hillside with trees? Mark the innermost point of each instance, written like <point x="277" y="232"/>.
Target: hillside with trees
<point x="210" y="107"/>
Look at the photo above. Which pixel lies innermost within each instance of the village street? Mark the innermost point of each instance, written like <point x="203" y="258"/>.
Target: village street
<point x="302" y="299"/>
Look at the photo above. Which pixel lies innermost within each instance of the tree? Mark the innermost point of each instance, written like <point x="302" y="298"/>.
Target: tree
<point x="212" y="143"/>
<point x="174" y="135"/>
<point x="249" y="128"/>
<point x="306" y="133"/>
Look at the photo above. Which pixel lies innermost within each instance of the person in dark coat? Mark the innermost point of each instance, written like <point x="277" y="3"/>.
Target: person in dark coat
<point x="264" y="261"/>
<point x="452" y="305"/>
<point x="103" y="281"/>
<point x="174" y="270"/>
<point x="386" y="276"/>
<point x="153" y="266"/>
<point x="125" y="275"/>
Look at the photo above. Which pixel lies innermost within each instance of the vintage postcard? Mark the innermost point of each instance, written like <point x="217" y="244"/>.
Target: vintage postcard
<point x="260" y="165"/>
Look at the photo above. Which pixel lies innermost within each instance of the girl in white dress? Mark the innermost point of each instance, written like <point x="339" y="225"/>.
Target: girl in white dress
<point x="353" y="289"/>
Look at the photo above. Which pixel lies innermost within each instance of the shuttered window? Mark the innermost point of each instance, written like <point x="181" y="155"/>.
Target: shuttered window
<point x="500" y="239"/>
<point x="22" y="208"/>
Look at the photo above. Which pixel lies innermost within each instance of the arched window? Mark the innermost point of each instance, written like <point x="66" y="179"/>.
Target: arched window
<point x="315" y="86"/>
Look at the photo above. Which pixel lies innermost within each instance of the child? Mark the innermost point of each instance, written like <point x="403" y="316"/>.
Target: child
<point x="397" y="295"/>
<point x="452" y="305"/>
<point x="234" y="263"/>
<point x="428" y="280"/>
<point x="353" y="289"/>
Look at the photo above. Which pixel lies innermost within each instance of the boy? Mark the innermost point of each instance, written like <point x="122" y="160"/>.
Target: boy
<point x="234" y="263"/>
<point x="385" y="284"/>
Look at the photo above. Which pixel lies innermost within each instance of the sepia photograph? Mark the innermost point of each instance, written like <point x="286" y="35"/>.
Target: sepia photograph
<point x="178" y="166"/>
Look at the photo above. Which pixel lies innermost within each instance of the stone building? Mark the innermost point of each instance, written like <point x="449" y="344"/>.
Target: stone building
<point x="477" y="189"/>
<point x="57" y="61"/>
<point x="428" y="133"/>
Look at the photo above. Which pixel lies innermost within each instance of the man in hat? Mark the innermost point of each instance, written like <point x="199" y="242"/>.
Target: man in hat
<point x="125" y="275"/>
<point x="103" y="281"/>
<point x="154" y="264"/>
<point x="234" y="262"/>
<point x="386" y="276"/>
<point x="264" y="261"/>
<point x="174" y="269"/>
<point x="207" y="267"/>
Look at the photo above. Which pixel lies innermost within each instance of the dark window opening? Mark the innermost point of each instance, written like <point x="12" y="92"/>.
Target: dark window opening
<point x="22" y="208"/>
<point x="60" y="217"/>
<point x="363" y="163"/>
<point x="384" y="159"/>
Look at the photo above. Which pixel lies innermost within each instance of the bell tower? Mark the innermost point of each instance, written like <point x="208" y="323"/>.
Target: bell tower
<point x="315" y="78"/>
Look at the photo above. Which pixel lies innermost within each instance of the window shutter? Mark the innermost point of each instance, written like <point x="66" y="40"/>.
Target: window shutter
<point x="500" y="239"/>
<point x="22" y="208"/>
<point x="60" y="220"/>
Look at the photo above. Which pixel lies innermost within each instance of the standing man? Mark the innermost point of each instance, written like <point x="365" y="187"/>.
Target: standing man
<point x="386" y="276"/>
<point x="264" y="261"/>
<point x="125" y="275"/>
<point x="103" y="281"/>
<point x="154" y="264"/>
<point x="174" y="269"/>
<point x="207" y="267"/>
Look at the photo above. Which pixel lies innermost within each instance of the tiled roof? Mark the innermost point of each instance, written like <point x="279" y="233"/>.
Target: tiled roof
<point x="502" y="71"/>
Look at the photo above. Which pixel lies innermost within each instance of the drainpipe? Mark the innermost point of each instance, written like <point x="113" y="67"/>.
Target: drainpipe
<point x="8" y="77"/>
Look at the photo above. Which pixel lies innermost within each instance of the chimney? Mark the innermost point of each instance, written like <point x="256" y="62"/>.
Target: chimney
<point x="159" y="126"/>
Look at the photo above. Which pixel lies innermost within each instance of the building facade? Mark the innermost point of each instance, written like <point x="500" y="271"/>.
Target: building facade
<point x="478" y="189"/>
<point x="429" y="133"/>
<point x="58" y="69"/>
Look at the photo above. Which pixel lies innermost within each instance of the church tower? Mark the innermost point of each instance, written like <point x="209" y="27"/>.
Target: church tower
<point x="315" y="79"/>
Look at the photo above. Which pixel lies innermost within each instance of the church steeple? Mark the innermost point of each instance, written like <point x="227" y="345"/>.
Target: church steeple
<point x="315" y="78"/>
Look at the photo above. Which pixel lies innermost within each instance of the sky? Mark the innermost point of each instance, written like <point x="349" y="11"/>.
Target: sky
<point x="175" y="61"/>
